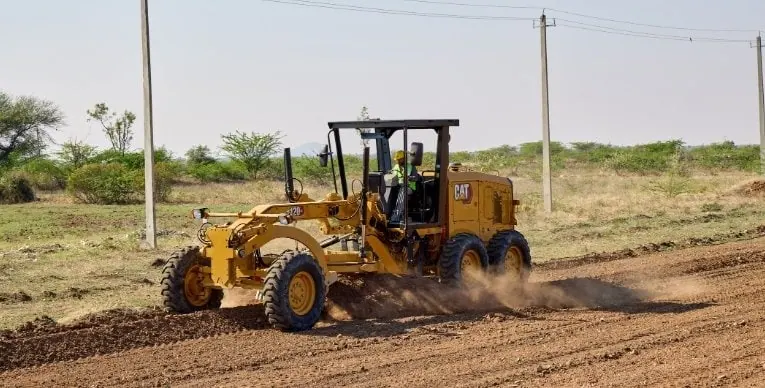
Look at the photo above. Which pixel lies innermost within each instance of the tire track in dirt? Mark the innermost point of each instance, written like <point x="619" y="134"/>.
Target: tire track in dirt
<point x="576" y="326"/>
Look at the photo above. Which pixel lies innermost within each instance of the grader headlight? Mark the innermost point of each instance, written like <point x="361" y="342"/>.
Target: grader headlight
<point x="285" y="219"/>
<point x="199" y="214"/>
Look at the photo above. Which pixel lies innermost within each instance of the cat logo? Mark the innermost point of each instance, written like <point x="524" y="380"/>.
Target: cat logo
<point x="463" y="193"/>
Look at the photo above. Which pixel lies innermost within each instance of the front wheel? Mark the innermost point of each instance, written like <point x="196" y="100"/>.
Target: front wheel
<point x="183" y="289"/>
<point x="294" y="292"/>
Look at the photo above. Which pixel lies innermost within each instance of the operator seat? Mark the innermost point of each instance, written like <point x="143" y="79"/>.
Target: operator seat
<point x="397" y="195"/>
<point x="378" y="183"/>
<point x="386" y="186"/>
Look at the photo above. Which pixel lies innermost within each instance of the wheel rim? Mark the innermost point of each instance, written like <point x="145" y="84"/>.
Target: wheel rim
<point x="302" y="293"/>
<point x="513" y="261"/>
<point x="196" y="293"/>
<point x="471" y="262"/>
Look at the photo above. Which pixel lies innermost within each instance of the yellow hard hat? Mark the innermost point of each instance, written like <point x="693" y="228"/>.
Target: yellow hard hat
<point x="399" y="155"/>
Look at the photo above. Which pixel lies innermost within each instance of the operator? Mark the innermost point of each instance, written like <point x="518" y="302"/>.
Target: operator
<point x="398" y="171"/>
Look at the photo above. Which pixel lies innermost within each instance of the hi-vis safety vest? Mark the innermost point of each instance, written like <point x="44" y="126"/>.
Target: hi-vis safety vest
<point x="400" y="175"/>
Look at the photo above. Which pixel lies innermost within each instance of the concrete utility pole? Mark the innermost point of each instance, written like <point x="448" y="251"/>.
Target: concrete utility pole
<point x="148" y="148"/>
<point x="762" y="104"/>
<point x="546" y="174"/>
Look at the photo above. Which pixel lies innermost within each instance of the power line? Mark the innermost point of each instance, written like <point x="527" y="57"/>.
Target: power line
<point x="475" y="5"/>
<point x="580" y="15"/>
<point x="620" y="31"/>
<point x="651" y="25"/>
<point x="567" y="23"/>
<point x="348" y="7"/>
<point x="641" y="35"/>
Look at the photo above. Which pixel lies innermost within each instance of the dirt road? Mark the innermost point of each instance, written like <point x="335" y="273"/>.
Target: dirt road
<point x="693" y="317"/>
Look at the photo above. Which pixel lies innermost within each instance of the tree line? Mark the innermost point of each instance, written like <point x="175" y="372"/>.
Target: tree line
<point x="115" y="175"/>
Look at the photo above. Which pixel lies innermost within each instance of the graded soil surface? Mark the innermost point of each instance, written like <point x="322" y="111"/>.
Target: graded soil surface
<point x="690" y="317"/>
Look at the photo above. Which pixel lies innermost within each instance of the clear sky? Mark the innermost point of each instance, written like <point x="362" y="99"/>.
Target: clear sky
<point x="260" y="66"/>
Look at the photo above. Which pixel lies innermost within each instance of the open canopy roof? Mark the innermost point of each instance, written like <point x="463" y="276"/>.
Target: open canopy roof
<point x="395" y="124"/>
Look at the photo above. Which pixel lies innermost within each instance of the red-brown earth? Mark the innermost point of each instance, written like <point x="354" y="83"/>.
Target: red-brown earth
<point x="688" y="317"/>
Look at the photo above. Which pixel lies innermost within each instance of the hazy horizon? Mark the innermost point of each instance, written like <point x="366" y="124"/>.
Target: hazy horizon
<point x="263" y="66"/>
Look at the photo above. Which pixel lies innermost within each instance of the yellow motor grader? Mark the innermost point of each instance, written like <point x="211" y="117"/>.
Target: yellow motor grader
<point x="445" y="221"/>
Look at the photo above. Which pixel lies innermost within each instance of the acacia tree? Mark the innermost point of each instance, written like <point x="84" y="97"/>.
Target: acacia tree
<point x="76" y="153"/>
<point x="252" y="149"/>
<point x="199" y="154"/>
<point x="25" y="123"/>
<point x="117" y="128"/>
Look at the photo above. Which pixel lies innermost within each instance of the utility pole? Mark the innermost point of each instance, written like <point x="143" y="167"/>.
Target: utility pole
<point x="546" y="174"/>
<point x="148" y="148"/>
<point x="762" y="104"/>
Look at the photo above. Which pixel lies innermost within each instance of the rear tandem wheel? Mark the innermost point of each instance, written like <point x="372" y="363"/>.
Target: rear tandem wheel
<point x="462" y="255"/>
<point x="509" y="254"/>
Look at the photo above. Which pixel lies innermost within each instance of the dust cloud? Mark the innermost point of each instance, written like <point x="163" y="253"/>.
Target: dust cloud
<point x="385" y="296"/>
<point x="236" y="297"/>
<point x="389" y="296"/>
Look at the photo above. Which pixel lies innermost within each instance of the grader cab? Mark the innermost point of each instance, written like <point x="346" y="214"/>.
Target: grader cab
<point x="453" y="223"/>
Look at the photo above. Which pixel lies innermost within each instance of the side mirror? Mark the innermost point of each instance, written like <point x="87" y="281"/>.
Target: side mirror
<point x="415" y="154"/>
<point x="324" y="156"/>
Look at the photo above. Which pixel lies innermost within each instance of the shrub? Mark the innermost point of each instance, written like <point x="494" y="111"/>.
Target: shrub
<point x="274" y="169"/>
<point x="165" y="173"/>
<point x="75" y="154"/>
<point x="199" y="155"/>
<point x="497" y="158"/>
<point x="15" y="189"/>
<point x="534" y="149"/>
<point x="172" y="170"/>
<point x="727" y="155"/>
<point x="110" y="183"/>
<point x="648" y="158"/>
<point x="114" y="183"/>
<point x="593" y="152"/>
<point x="675" y="180"/>
<point x="43" y="174"/>
<point x="217" y="172"/>
<point x="131" y="160"/>
<point x="308" y="168"/>
<point x="637" y="162"/>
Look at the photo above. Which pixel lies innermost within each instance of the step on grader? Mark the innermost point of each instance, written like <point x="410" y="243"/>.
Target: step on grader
<point x="444" y="221"/>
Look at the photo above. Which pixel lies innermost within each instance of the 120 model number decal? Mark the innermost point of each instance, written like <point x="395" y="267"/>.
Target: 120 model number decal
<point x="295" y="211"/>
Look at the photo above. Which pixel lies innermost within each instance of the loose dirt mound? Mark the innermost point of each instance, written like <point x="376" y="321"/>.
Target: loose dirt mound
<point x="46" y="325"/>
<point x="43" y="341"/>
<point x="751" y="188"/>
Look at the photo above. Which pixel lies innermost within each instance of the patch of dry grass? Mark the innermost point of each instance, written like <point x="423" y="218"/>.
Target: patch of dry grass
<point x="596" y="211"/>
<point x="72" y="259"/>
<point x="247" y="194"/>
